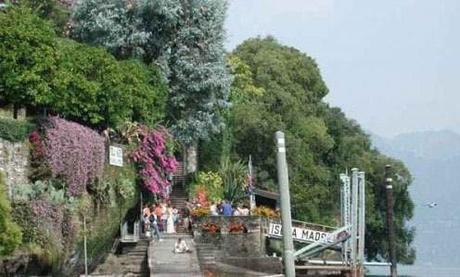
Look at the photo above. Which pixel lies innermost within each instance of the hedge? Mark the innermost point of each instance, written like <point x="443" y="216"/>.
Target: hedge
<point x="15" y="130"/>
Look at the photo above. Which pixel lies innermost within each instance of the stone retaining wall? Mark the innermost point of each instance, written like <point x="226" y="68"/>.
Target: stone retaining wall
<point x="250" y="243"/>
<point x="14" y="163"/>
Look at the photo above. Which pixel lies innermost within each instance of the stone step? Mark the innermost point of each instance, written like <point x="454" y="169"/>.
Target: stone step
<point x="134" y="251"/>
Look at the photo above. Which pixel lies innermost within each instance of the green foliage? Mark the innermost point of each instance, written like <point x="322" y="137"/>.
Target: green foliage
<point x="184" y="37"/>
<point x="27" y="56"/>
<point x="10" y="233"/>
<point x="50" y="10"/>
<point x="211" y="182"/>
<point x="233" y="175"/>
<point x="321" y="143"/>
<point x="243" y="88"/>
<point x="79" y="82"/>
<point x="147" y="90"/>
<point x="92" y="87"/>
<point x="113" y="24"/>
<point x="15" y="130"/>
<point x="199" y="79"/>
<point x="51" y="191"/>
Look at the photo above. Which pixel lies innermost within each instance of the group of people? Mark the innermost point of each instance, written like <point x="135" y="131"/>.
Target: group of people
<point x="226" y="209"/>
<point x="159" y="218"/>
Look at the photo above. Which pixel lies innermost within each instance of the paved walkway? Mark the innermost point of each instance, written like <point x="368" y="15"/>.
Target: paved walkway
<point x="163" y="262"/>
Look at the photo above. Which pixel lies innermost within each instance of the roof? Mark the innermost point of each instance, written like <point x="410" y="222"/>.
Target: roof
<point x="267" y="194"/>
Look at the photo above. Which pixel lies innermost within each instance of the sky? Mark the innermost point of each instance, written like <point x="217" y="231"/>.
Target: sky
<point x="392" y="65"/>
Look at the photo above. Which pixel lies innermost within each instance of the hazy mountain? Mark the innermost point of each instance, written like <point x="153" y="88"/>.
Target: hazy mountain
<point x="434" y="160"/>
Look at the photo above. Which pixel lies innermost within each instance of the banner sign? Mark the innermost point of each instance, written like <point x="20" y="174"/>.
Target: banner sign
<point x="299" y="234"/>
<point x="115" y="156"/>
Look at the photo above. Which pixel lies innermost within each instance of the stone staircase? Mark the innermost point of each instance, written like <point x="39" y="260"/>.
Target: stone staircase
<point x="164" y="262"/>
<point x="134" y="258"/>
<point x="207" y="254"/>
<point x="131" y="261"/>
<point x="178" y="198"/>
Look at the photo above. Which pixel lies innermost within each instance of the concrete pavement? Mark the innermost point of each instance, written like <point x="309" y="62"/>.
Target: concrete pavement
<point x="164" y="263"/>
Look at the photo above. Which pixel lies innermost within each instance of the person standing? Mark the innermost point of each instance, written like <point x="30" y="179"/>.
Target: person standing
<point x="213" y="209"/>
<point x="158" y="212"/>
<point x="153" y="219"/>
<point x="244" y="211"/>
<point x="170" y="221"/>
<point x="227" y="209"/>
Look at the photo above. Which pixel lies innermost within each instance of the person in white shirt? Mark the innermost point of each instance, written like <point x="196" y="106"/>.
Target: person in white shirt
<point x="213" y="209"/>
<point x="181" y="247"/>
<point x="244" y="211"/>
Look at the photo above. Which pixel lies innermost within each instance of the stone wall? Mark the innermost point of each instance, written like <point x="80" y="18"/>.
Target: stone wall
<point x="14" y="163"/>
<point x="250" y="243"/>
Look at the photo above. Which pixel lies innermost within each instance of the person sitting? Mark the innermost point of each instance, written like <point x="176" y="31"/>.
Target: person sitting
<point x="181" y="247"/>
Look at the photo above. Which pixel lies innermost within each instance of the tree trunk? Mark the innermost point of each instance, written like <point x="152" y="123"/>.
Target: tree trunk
<point x="191" y="157"/>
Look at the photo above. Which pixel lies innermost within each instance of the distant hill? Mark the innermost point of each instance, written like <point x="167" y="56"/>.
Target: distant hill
<point x="429" y="145"/>
<point x="433" y="157"/>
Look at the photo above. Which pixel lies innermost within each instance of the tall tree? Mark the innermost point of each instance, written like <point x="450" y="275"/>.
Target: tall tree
<point x="199" y="79"/>
<point x="27" y="59"/>
<point x="113" y="24"/>
<point x="321" y="143"/>
<point x="185" y="38"/>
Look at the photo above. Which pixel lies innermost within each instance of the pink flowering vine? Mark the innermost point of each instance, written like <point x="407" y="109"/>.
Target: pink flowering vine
<point x="75" y="154"/>
<point x="153" y="160"/>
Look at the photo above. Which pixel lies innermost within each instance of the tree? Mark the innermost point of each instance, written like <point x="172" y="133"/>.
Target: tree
<point x="113" y="24"/>
<point x="321" y="143"/>
<point x="52" y="10"/>
<point x="199" y="79"/>
<point x="184" y="37"/>
<point x="93" y="88"/>
<point x="219" y="147"/>
<point x="27" y="57"/>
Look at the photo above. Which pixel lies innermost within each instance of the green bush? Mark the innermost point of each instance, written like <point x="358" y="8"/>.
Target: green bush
<point x="211" y="182"/>
<point x="10" y="233"/>
<point x="15" y="130"/>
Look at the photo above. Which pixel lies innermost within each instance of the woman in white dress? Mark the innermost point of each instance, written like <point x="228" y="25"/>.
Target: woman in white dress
<point x="170" y="222"/>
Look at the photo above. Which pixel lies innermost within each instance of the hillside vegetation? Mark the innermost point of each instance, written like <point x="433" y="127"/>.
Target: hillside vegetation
<point x="163" y="62"/>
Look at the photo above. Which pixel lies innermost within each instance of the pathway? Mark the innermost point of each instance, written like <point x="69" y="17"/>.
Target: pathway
<point x="163" y="262"/>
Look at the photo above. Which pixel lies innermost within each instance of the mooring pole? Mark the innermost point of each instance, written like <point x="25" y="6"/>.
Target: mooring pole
<point x="390" y="225"/>
<point x="354" y="219"/>
<point x="283" y="182"/>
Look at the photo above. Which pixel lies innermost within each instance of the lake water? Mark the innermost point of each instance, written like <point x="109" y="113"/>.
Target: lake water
<point x="437" y="240"/>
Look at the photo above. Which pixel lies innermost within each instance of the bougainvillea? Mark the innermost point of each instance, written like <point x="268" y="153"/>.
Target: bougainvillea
<point x="39" y="168"/>
<point x="75" y="154"/>
<point x="153" y="159"/>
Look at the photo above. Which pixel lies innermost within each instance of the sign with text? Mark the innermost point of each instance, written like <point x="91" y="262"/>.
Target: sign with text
<point x="115" y="155"/>
<point x="299" y="234"/>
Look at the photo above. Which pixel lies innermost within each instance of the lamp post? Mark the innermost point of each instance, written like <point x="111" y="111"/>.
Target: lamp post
<point x="390" y="223"/>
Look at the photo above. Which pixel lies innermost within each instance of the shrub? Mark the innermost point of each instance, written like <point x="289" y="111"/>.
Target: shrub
<point x="15" y="130"/>
<point x="39" y="167"/>
<point x="211" y="182"/>
<point x="265" y="212"/>
<point x="154" y="160"/>
<point x="92" y="87"/>
<point x="10" y="233"/>
<point x="234" y="176"/>
<point x="76" y="154"/>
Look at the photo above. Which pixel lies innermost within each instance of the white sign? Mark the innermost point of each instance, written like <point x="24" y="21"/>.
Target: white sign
<point x="299" y="234"/>
<point x="115" y="156"/>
